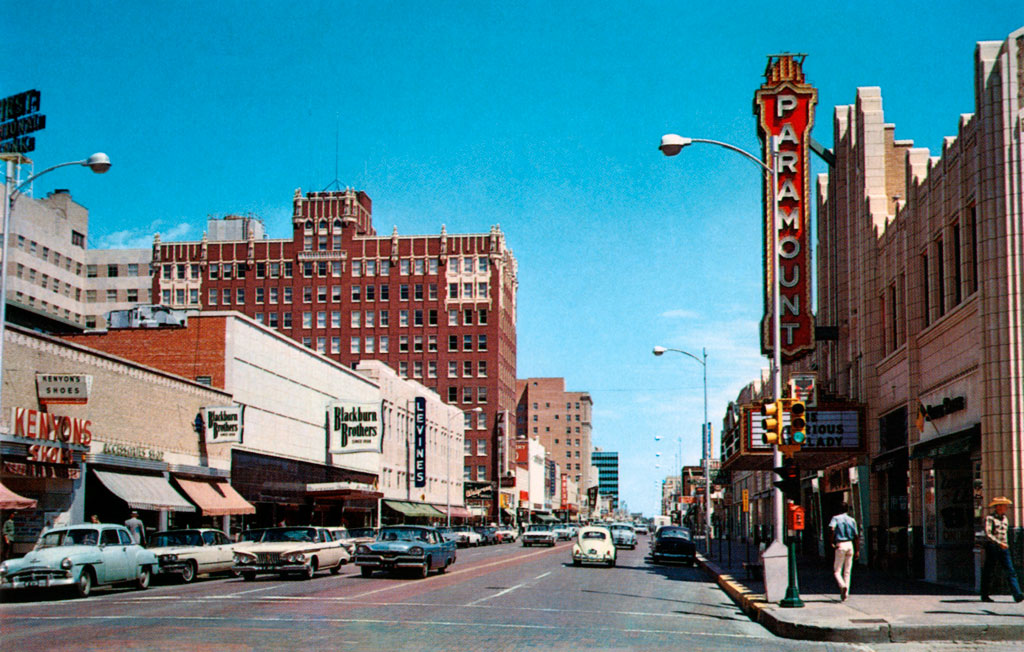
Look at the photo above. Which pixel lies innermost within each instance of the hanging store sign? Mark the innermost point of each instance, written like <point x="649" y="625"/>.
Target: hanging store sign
<point x="19" y="116"/>
<point x="66" y="389"/>
<point x="223" y="424"/>
<point x="826" y="430"/>
<point x="420" y="446"/>
<point x="785" y="108"/>
<point x="354" y="427"/>
<point x="565" y="491"/>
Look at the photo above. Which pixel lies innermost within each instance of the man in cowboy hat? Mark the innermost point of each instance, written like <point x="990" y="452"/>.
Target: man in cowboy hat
<point x="997" y="549"/>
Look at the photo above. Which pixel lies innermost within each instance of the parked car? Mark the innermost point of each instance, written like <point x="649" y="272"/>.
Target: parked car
<point x="81" y="557"/>
<point x="488" y="535"/>
<point x="415" y="547"/>
<point x="467" y="536"/>
<point x="594" y="545"/>
<point x="448" y="534"/>
<point x="368" y="533"/>
<point x="641" y="529"/>
<point x="290" y="550"/>
<point x="187" y="553"/>
<point x="562" y="532"/>
<point x="623" y="535"/>
<point x="673" y="543"/>
<point x="347" y="539"/>
<point x="538" y="534"/>
<point x="507" y="535"/>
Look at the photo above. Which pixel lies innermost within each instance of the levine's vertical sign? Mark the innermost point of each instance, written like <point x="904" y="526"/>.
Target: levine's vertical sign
<point x="785" y="108"/>
<point x="420" y="457"/>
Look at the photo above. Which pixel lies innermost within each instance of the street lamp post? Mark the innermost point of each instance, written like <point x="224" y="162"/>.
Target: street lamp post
<point x="705" y="443"/>
<point x="98" y="163"/>
<point x="672" y="144"/>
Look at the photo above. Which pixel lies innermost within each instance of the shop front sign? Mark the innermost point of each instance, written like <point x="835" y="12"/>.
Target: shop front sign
<point x="420" y="442"/>
<point x="354" y="427"/>
<point x="223" y="424"/>
<point x="134" y="452"/>
<point x="66" y="389"/>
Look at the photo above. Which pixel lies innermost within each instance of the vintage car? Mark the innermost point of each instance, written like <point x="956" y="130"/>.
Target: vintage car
<point x="187" y="553"/>
<point x="467" y="536"/>
<point x="562" y="532"/>
<point x="406" y="547"/>
<point x="673" y="543"/>
<point x="641" y="529"/>
<point x="538" y="534"/>
<point x="623" y="535"/>
<point x="348" y="539"/>
<point x="507" y="535"/>
<point x="594" y="545"/>
<point x="488" y="534"/>
<point x="81" y="557"/>
<point x="290" y="550"/>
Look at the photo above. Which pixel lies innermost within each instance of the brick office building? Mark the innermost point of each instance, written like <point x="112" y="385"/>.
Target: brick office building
<point x="561" y="421"/>
<point x="440" y="309"/>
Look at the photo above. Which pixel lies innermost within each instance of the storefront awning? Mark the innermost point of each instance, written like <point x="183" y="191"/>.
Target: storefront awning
<point x="215" y="498"/>
<point x="144" y="491"/>
<point x="11" y="500"/>
<point x="413" y="509"/>
<point x="509" y="513"/>
<point x="956" y="443"/>
<point x="456" y="511"/>
<point x="545" y="518"/>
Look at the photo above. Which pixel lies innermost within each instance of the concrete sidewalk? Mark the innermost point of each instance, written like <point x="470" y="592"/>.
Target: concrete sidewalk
<point x="880" y="608"/>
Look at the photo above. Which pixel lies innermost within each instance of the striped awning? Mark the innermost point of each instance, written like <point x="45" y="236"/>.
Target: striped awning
<point x="215" y="498"/>
<point x="12" y="501"/>
<point x="413" y="509"/>
<point x="144" y="491"/>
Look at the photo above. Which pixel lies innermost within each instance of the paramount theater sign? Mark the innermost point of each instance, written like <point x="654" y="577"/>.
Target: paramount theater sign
<point x="785" y="108"/>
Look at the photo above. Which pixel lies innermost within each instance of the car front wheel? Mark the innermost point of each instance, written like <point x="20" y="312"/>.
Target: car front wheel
<point x="309" y="570"/>
<point x="142" y="581"/>
<point x="83" y="587"/>
<point x="365" y="571"/>
<point x="189" y="572"/>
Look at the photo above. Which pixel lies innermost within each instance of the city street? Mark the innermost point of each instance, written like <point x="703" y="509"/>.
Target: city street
<point x="497" y="597"/>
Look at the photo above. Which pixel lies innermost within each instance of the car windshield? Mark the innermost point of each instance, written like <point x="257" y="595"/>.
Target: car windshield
<point x="402" y="534"/>
<point x="537" y="528"/>
<point x="340" y="533"/>
<point x="176" y="538"/>
<point x="623" y="528"/>
<point x="74" y="537"/>
<point x="593" y="534"/>
<point x="251" y="535"/>
<point x="285" y="534"/>
<point x="673" y="533"/>
<point x="363" y="532"/>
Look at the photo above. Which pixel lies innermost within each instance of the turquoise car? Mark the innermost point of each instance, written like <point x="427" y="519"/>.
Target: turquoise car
<point x="406" y="547"/>
<point x="80" y="557"/>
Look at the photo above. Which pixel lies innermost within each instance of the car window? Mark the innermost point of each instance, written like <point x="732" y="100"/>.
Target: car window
<point x="283" y="534"/>
<point x="125" y="538"/>
<point x="594" y="535"/>
<point x="210" y="538"/>
<point x="109" y="537"/>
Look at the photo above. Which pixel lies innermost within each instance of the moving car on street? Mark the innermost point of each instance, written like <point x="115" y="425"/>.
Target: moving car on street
<point x="290" y="550"/>
<point x="488" y="534"/>
<point x="594" y="546"/>
<point x="507" y="535"/>
<point x="538" y="534"/>
<point x="187" y="553"/>
<point x="623" y="535"/>
<point x="672" y="543"/>
<point x="81" y="557"/>
<point x="406" y="547"/>
<point x="562" y="532"/>
<point x="467" y="536"/>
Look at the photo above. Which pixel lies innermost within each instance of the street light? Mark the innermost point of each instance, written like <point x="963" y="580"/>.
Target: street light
<point x="705" y="433"/>
<point x="98" y="163"/>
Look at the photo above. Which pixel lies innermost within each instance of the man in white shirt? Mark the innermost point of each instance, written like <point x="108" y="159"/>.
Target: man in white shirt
<point x="846" y="542"/>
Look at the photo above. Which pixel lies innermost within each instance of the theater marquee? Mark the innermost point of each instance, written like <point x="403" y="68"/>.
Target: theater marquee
<point x="785" y="108"/>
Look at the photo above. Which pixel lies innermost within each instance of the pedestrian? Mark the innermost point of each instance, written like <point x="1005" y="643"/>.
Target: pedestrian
<point x="997" y="550"/>
<point x="94" y="519"/>
<point x="8" y="538"/>
<point x="846" y="542"/>
<point x="136" y="529"/>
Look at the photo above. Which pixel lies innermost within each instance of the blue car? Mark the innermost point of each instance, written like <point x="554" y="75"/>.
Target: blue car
<point x="406" y="547"/>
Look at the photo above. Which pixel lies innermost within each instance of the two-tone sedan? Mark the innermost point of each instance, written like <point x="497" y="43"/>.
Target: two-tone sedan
<point x="672" y="543"/>
<point x="290" y="551"/>
<point x="187" y="553"/>
<point x="538" y="534"/>
<point x="406" y="547"/>
<point x="623" y="535"/>
<point x="81" y="557"/>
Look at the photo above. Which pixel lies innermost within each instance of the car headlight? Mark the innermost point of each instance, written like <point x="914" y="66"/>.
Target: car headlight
<point x="242" y="558"/>
<point x="416" y="550"/>
<point x="3" y="568"/>
<point x="168" y="558"/>
<point x="296" y="557"/>
<point x="66" y="563"/>
<point x="362" y="550"/>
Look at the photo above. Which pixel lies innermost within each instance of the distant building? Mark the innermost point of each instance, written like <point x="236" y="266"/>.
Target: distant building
<point x="606" y="464"/>
<point x="562" y="422"/>
<point x="116" y="279"/>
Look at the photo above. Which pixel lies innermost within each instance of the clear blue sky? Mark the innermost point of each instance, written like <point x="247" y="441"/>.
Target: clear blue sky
<point x="543" y="117"/>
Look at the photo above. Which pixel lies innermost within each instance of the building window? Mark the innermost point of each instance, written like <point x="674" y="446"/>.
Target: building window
<point x="321" y="345"/>
<point x="940" y="281"/>
<point x="384" y="343"/>
<point x="957" y="262"/>
<point x="453" y="342"/>
<point x="467" y="317"/>
<point x="403" y="343"/>
<point x="193" y="296"/>
<point x="431" y="343"/>
<point x="467" y="368"/>
<point x="321" y="319"/>
<point x="417" y="369"/>
<point x="272" y="319"/>
<point x="417" y="317"/>
<point x="179" y="296"/>
<point x="77" y="239"/>
<point x="91" y="271"/>
<point x="355" y="319"/>
<point x="481" y="370"/>
<point x="287" y="269"/>
<point x="287" y="294"/>
<point x="307" y="320"/>
<point x="481" y="394"/>
<point x="335" y="345"/>
<point x="354" y="345"/>
<point x="385" y="294"/>
<point x="212" y="297"/>
<point x="431" y="368"/>
<point x="481" y="473"/>
<point x="357" y="268"/>
<point x="259" y="295"/>
<point x="466" y="470"/>
<point x="385" y="319"/>
<point x="453" y="317"/>
<point x="453" y="290"/>
<point x="227" y="270"/>
<point x="481" y="447"/>
<point x="111" y="295"/>
<point x="240" y="296"/>
<point x="481" y="290"/>
<point x="369" y="342"/>
<point x="307" y="294"/>
<point x="273" y="295"/>
<point x="481" y="343"/>
<point x="417" y="292"/>
<point x="357" y="291"/>
<point x="371" y="317"/>
<point x="417" y="344"/>
<point x="275" y="270"/>
<point x="112" y="270"/>
<point x="467" y="342"/>
<point x="321" y="294"/>
<point x="403" y="292"/>
<point x="403" y="318"/>
<point x="403" y="267"/>
<point x="467" y="394"/>
<point x="925" y="294"/>
<point x="482" y="317"/>
<point x="371" y="292"/>
<point x="453" y="369"/>
<point x="403" y="369"/>
<point x="286" y="320"/>
<point x="453" y="394"/>
<point x="432" y="292"/>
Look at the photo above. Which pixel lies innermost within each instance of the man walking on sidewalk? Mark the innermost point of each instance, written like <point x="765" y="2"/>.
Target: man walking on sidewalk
<point x="846" y="543"/>
<point x="997" y="550"/>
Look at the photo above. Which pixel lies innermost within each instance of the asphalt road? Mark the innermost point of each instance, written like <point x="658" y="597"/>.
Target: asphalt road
<point x="502" y="597"/>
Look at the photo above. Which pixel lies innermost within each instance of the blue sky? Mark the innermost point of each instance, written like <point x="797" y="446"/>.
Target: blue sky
<point x="543" y="117"/>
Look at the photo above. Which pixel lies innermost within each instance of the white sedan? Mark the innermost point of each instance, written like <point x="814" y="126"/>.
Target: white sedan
<point x="188" y="553"/>
<point x="594" y="545"/>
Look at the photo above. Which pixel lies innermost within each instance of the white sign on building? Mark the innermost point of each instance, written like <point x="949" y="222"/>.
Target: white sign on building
<point x="826" y="429"/>
<point x="71" y="389"/>
<point x="355" y="427"/>
<point x="223" y="424"/>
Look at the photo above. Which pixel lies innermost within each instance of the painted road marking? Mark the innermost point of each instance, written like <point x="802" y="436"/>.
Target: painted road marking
<point x="292" y="619"/>
<point x="499" y="593"/>
<point x="542" y="575"/>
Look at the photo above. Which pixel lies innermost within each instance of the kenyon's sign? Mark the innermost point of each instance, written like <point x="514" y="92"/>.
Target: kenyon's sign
<point x="785" y="108"/>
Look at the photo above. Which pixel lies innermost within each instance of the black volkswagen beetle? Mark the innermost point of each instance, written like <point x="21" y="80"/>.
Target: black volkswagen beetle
<point x="673" y="544"/>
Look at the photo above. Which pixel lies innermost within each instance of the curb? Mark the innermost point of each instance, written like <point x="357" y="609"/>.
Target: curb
<point x="763" y="614"/>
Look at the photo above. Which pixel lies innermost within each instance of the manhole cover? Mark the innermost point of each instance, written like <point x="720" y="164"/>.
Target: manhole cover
<point x="867" y="620"/>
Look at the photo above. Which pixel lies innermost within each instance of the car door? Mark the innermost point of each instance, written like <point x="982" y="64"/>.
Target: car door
<point x="114" y="553"/>
<point x="207" y="555"/>
<point x="224" y="552"/>
<point x="331" y="549"/>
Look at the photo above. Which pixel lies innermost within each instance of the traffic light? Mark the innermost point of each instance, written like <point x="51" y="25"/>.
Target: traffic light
<point x="772" y="422"/>
<point x="797" y="422"/>
<point x="789" y="480"/>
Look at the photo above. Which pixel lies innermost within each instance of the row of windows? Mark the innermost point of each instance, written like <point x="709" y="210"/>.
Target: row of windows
<point x="54" y="256"/>
<point x="481" y="473"/>
<point x="466" y="394"/>
<point x="114" y="270"/>
<point x="48" y="307"/>
<point x="568" y="431"/>
<point x="568" y="417"/>
<point x="285" y="269"/>
<point x="46" y="282"/>
<point x="568" y="442"/>
<point x="130" y="295"/>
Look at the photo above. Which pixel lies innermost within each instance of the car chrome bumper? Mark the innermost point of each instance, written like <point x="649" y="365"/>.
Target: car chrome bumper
<point x="673" y="556"/>
<point x="36" y="583"/>
<point x="267" y="568"/>
<point x="381" y="563"/>
<point x="171" y="567"/>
